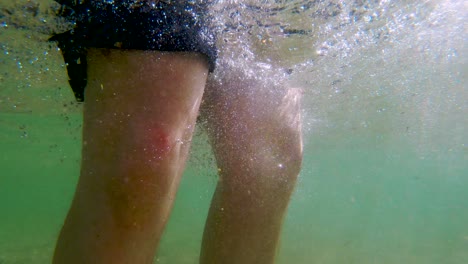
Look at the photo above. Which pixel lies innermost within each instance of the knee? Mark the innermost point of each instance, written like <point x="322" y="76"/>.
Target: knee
<point x="270" y="164"/>
<point x="261" y="178"/>
<point x="281" y="161"/>
<point x="147" y="143"/>
<point x="281" y="148"/>
<point x="152" y="148"/>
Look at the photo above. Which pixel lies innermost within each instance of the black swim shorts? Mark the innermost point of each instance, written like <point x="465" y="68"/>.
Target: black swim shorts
<point x="169" y="25"/>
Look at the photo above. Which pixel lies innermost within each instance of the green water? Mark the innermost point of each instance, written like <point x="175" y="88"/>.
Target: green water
<point x="357" y="201"/>
<point x="384" y="177"/>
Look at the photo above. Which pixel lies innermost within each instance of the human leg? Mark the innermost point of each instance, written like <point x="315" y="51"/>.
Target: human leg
<point x="257" y="142"/>
<point x="139" y="116"/>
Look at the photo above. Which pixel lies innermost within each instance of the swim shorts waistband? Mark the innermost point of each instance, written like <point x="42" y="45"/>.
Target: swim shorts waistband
<point x="129" y="24"/>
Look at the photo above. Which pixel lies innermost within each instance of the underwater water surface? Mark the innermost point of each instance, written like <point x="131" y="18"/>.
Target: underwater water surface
<point x="384" y="176"/>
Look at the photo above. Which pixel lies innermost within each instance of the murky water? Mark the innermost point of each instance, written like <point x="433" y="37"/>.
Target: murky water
<point x="385" y="116"/>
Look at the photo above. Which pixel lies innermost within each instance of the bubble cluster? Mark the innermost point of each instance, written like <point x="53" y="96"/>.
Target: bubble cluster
<point x="391" y="69"/>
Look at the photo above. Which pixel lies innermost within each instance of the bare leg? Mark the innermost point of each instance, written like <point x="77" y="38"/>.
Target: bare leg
<point x="258" y="147"/>
<point x="139" y="116"/>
